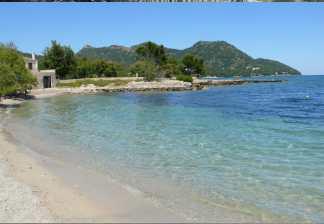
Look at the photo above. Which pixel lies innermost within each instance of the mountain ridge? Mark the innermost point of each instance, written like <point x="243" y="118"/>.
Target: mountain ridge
<point x="221" y="58"/>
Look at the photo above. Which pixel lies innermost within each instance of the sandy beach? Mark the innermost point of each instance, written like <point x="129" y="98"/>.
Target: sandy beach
<point x="35" y="195"/>
<point x="19" y="202"/>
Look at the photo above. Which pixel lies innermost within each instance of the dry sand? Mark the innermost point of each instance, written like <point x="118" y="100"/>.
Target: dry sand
<point x="18" y="201"/>
<point x="30" y="193"/>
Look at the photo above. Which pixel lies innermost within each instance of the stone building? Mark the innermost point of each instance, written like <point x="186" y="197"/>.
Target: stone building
<point x="45" y="78"/>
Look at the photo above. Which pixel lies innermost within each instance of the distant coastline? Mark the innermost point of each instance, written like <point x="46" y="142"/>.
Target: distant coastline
<point x="125" y="84"/>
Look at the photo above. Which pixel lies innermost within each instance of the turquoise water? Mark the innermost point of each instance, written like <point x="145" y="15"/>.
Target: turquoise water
<point x="256" y="150"/>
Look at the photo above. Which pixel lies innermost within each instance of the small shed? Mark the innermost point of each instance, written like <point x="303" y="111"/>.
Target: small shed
<point x="45" y="78"/>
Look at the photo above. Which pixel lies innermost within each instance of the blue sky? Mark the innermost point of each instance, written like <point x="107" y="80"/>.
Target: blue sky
<point x="292" y="33"/>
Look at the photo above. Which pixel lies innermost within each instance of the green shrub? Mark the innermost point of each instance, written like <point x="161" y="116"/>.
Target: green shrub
<point x="96" y="82"/>
<point x="8" y="83"/>
<point x="14" y="77"/>
<point x="185" y="78"/>
<point x="145" y="69"/>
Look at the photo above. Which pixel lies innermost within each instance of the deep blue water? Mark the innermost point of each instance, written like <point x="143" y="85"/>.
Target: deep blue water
<point x="254" y="149"/>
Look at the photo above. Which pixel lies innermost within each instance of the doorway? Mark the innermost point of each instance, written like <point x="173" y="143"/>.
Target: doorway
<point x="30" y="66"/>
<point x="47" y="82"/>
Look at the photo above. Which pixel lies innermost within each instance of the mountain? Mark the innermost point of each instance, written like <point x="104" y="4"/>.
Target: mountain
<point x="220" y="57"/>
<point x="121" y="54"/>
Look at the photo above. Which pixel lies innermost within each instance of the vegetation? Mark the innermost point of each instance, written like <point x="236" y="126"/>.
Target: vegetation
<point x="90" y="68"/>
<point x="7" y="80"/>
<point x="148" y="60"/>
<point x="68" y="65"/>
<point x="152" y="52"/>
<point x="270" y="67"/>
<point x="146" y="69"/>
<point x="96" y="82"/>
<point x="185" y="78"/>
<point x="14" y="77"/>
<point x="220" y="58"/>
<point x="192" y="65"/>
<point x="171" y="68"/>
<point x="120" y="54"/>
<point x="223" y="59"/>
<point x="155" y="63"/>
<point x="60" y="58"/>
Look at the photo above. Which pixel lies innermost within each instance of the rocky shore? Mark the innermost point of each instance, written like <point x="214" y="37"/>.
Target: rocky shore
<point x="207" y="82"/>
<point x="132" y="86"/>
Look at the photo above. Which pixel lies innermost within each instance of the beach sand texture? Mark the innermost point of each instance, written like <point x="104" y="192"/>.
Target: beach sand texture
<point x="18" y="201"/>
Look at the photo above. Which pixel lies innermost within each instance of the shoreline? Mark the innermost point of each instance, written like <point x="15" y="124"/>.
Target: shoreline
<point x="169" y="85"/>
<point x="41" y="176"/>
<point x="45" y="188"/>
<point x="70" y="193"/>
<point x="132" y="86"/>
<point x="50" y="197"/>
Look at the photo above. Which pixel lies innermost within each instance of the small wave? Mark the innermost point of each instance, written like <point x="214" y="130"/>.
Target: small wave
<point x="132" y="190"/>
<point x="296" y="99"/>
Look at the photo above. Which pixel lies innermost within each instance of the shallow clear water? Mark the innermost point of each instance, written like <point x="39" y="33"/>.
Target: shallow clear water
<point x="254" y="149"/>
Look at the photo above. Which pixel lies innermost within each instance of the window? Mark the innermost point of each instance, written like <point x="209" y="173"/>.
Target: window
<point x="30" y="66"/>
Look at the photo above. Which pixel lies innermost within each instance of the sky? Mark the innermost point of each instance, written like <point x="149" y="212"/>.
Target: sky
<point x="292" y="33"/>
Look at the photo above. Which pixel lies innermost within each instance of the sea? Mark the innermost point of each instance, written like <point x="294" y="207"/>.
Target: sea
<point x="254" y="150"/>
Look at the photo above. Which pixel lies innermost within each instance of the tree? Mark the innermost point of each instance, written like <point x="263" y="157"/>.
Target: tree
<point x="110" y="70"/>
<point x="25" y="82"/>
<point x="152" y="52"/>
<point x="121" y="69"/>
<point x="10" y="45"/>
<point x="100" y="67"/>
<point x="7" y="80"/>
<point x="85" y="68"/>
<point x="89" y="68"/>
<point x="15" y="78"/>
<point x="192" y="65"/>
<point x="106" y="69"/>
<point x="60" y="58"/>
<point x="146" y="69"/>
<point x="170" y="68"/>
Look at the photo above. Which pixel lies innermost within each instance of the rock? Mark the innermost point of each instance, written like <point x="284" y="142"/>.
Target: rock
<point x="159" y="85"/>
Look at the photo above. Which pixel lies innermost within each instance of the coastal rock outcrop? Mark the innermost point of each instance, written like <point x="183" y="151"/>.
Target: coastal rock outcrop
<point x="160" y="85"/>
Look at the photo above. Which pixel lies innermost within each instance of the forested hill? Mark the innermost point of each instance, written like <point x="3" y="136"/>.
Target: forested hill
<point x="120" y="54"/>
<point x="220" y="58"/>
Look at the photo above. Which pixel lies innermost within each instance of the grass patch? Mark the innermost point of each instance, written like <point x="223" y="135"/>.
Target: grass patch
<point x="185" y="78"/>
<point x="96" y="82"/>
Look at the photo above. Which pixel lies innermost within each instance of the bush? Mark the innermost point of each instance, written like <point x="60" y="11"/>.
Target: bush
<point x="192" y="65"/>
<point x="14" y="77"/>
<point x="59" y="57"/>
<point x="96" y="82"/>
<point x="7" y="81"/>
<point x="185" y="78"/>
<point x="145" y="69"/>
<point x="169" y="70"/>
